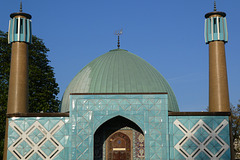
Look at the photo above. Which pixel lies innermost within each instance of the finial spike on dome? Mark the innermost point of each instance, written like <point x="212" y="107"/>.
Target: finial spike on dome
<point x="20" y="6"/>
<point x="215" y="6"/>
<point x="118" y="33"/>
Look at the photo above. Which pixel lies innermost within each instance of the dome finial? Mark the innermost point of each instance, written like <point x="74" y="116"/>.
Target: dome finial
<point x="118" y="33"/>
<point x="215" y="7"/>
<point x="20" y="6"/>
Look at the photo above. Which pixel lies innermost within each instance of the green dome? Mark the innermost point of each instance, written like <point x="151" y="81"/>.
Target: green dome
<point x="119" y="71"/>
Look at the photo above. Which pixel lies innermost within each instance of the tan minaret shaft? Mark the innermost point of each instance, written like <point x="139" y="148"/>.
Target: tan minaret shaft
<point x="18" y="82"/>
<point x="216" y="36"/>
<point x="218" y="83"/>
<point x="19" y="35"/>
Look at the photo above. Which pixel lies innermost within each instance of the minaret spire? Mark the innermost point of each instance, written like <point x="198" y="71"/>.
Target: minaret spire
<point x="20" y="6"/>
<point x="118" y="33"/>
<point x="216" y="35"/>
<point x="215" y="7"/>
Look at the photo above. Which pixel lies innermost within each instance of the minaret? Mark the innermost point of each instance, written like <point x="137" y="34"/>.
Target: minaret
<point x="19" y="36"/>
<point x="216" y="36"/>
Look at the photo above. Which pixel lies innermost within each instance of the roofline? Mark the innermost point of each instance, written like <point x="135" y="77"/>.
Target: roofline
<point x="10" y="115"/>
<point x="199" y="113"/>
<point x="118" y="93"/>
<point x="223" y="14"/>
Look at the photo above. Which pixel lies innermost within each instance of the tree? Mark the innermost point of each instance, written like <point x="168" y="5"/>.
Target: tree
<point x="236" y="129"/>
<point x="43" y="88"/>
<point x="235" y="121"/>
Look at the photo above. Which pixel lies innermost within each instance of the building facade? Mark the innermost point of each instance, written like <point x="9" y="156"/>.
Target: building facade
<point x="119" y="107"/>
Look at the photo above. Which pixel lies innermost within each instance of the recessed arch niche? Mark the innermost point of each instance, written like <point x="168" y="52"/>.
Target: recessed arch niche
<point x="118" y="138"/>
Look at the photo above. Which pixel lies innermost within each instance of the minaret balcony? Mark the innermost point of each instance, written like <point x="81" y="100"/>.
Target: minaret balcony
<point x="19" y="30"/>
<point x="216" y="29"/>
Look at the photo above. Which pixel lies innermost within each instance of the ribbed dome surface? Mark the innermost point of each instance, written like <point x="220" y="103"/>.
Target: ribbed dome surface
<point x="119" y="71"/>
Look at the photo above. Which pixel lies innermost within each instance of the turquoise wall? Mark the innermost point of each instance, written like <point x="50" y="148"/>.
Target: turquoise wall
<point x="73" y="137"/>
<point x="166" y="137"/>
<point x="149" y="112"/>
<point x="199" y="137"/>
<point x="39" y="138"/>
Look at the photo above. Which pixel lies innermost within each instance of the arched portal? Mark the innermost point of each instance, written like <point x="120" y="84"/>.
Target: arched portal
<point x="118" y="139"/>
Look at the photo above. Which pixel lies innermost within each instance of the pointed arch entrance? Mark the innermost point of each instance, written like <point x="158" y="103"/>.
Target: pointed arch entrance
<point x="118" y="139"/>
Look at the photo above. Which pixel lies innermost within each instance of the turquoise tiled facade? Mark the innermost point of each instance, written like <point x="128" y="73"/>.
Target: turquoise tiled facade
<point x="149" y="112"/>
<point x="38" y="138"/>
<point x="87" y="114"/>
<point x="199" y="137"/>
<point x="166" y="137"/>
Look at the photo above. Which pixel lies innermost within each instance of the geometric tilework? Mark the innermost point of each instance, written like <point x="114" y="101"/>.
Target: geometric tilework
<point x="34" y="141"/>
<point x="201" y="141"/>
<point x="149" y="112"/>
<point x="165" y="137"/>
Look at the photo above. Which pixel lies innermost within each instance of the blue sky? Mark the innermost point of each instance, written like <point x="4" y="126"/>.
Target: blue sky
<point x="167" y="34"/>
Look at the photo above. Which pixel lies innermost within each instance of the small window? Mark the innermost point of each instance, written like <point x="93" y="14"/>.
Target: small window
<point x="219" y="25"/>
<point x="214" y="25"/>
<point x="21" y="26"/>
<point x="16" y="26"/>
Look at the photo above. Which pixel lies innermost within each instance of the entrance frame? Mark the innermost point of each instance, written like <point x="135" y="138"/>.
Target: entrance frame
<point x="148" y="111"/>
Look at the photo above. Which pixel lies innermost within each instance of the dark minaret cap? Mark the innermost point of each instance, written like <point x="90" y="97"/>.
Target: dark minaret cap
<point x="223" y="14"/>
<point x="20" y="13"/>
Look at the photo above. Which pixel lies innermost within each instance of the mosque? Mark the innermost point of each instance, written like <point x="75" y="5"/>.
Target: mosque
<point x="119" y="107"/>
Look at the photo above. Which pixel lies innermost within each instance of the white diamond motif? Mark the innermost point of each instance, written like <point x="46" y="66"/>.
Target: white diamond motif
<point x="213" y="135"/>
<point x="36" y="148"/>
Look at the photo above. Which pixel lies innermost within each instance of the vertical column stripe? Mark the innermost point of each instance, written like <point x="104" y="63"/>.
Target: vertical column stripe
<point x="206" y="31"/>
<point x="212" y="28"/>
<point x="9" y="29"/>
<point x="30" y="31"/>
<point x="223" y="28"/>
<point x="24" y="29"/>
<point x="27" y="35"/>
<point x="209" y="29"/>
<point x="226" y="30"/>
<point x="13" y="28"/>
<point x="218" y="32"/>
<point x="18" y="29"/>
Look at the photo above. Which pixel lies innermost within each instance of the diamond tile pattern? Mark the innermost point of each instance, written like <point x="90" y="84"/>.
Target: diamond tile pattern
<point x="23" y="148"/>
<point x="35" y="156"/>
<point x="202" y="156"/>
<point x="199" y="137"/>
<point x="63" y="138"/>
<point x="189" y="146"/>
<point x="214" y="146"/>
<point x="33" y="137"/>
<point x="48" y="147"/>
<point x="149" y="112"/>
<point x="202" y="134"/>
<point x="36" y="135"/>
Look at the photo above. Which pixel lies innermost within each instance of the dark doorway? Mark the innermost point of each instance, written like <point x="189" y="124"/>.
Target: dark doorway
<point x="113" y="127"/>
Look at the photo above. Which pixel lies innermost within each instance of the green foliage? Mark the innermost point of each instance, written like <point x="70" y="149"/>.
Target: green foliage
<point x="43" y="88"/>
<point x="235" y="121"/>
